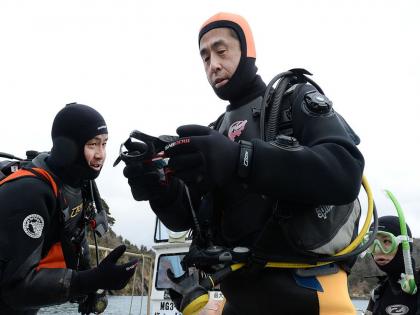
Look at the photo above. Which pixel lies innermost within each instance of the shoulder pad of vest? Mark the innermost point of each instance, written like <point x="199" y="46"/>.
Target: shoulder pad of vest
<point x="35" y="172"/>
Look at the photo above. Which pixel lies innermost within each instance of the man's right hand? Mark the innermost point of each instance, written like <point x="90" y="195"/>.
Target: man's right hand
<point x="107" y="276"/>
<point x="145" y="181"/>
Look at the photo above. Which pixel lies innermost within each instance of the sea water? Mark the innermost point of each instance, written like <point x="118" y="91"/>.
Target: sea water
<point x="117" y="305"/>
<point x="120" y="305"/>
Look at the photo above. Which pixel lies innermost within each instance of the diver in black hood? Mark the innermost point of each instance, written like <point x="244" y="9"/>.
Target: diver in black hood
<point x="237" y="177"/>
<point x="45" y="208"/>
<point x="72" y="128"/>
<point x="391" y="296"/>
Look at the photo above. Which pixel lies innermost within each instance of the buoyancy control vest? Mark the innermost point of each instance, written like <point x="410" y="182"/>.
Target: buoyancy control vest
<point x="307" y="232"/>
<point x="65" y="244"/>
<point x="71" y="217"/>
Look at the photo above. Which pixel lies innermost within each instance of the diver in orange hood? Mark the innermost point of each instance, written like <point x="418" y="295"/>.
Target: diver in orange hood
<point x="266" y="175"/>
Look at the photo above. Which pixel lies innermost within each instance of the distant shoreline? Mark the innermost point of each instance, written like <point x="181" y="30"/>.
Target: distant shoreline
<point x="355" y="297"/>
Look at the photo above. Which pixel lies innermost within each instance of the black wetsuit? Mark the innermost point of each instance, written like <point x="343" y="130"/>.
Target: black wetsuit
<point x="388" y="298"/>
<point x="38" y="258"/>
<point x="326" y="168"/>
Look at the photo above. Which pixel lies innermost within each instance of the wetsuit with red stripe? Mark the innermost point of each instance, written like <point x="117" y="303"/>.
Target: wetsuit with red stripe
<point x="37" y="260"/>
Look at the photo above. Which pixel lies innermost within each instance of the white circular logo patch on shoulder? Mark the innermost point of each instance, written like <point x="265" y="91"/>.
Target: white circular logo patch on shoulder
<point x="33" y="225"/>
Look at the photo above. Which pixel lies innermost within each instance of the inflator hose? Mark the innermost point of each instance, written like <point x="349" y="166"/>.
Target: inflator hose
<point x="351" y="250"/>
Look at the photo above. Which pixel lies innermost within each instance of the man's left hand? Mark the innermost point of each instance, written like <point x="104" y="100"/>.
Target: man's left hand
<point x="202" y="156"/>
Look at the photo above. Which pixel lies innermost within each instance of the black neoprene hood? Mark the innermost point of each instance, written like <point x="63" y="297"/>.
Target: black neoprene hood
<point x="391" y="224"/>
<point x="73" y="126"/>
<point x="79" y="123"/>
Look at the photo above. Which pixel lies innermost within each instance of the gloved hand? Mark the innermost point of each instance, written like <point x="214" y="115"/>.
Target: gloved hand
<point x="107" y="276"/>
<point x="95" y="303"/>
<point x="145" y="181"/>
<point x="203" y="155"/>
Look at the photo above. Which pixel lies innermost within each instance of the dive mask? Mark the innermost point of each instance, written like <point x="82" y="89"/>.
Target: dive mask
<point x="385" y="242"/>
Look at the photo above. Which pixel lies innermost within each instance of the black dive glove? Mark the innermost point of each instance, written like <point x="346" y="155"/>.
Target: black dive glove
<point x="147" y="182"/>
<point x="144" y="180"/>
<point x="107" y="276"/>
<point x="147" y="179"/>
<point x="95" y="303"/>
<point x="204" y="155"/>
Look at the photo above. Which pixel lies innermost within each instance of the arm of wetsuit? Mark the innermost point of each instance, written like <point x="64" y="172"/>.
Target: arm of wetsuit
<point x="325" y="168"/>
<point x="26" y="206"/>
<point x="177" y="215"/>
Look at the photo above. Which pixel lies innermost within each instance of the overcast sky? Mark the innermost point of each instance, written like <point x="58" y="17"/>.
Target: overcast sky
<point x="137" y="63"/>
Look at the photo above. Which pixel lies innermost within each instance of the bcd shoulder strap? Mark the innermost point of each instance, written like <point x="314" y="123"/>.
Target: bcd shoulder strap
<point x="35" y="172"/>
<point x="216" y="124"/>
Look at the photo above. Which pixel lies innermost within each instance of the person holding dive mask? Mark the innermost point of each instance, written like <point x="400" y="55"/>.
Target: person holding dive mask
<point x="45" y="208"/>
<point x="243" y="177"/>
<point x="397" y="292"/>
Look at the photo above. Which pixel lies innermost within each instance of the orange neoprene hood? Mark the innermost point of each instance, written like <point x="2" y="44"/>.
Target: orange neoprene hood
<point x="235" y="22"/>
